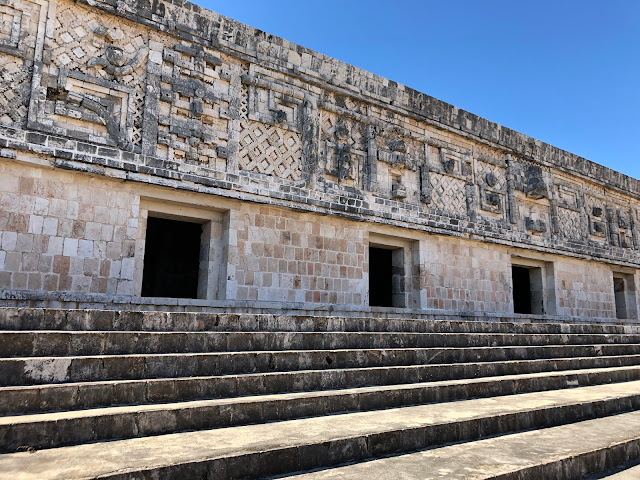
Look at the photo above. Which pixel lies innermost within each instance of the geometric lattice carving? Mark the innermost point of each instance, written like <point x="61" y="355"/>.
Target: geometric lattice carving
<point x="94" y="77"/>
<point x="570" y="224"/>
<point x="448" y="194"/>
<point x="10" y="25"/>
<point x="492" y="182"/>
<point x="486" y="172"/>
<point x="270" y="150"/>
<point x="22" y="27"/>
<point x="595" y="207"/>
<point x="15" y="76"/>
<point x="192" y="116"/>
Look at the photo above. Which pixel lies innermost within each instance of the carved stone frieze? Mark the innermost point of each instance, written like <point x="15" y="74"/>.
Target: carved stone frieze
<point x="192" y="105"/>
<point x="208" y="101"/>
<point x="93" y="79"/>
<point x="570" y="218"/>
<point x="15" y="88"/>
<point x="116" y="62"/>
<point x="598" y="225"/>
<point x="343" y="148"/>
<point x="491" y="177"/>
<point x="398" y="159"/>
<point x="23" y="26"/>
<point x="273" y="103"/>
<point x="270" y="150"/>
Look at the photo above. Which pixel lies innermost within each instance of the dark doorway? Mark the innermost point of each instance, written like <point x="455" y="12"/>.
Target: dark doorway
<point x="521" y="290"/>
<point x="171" y="259"/>
<point x="380" y="277"/>
<point x="620" y="292"/>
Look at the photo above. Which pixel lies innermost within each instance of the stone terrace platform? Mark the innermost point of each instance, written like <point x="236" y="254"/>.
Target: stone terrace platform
<point x="153" y="395"/>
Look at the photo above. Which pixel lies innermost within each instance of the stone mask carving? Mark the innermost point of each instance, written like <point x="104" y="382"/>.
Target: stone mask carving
<point x="491" y="179"/>
<point x="115" y="62"/>
<point x="115" y="56"/>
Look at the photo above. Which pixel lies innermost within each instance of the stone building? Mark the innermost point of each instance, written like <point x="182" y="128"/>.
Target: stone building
<point x="159" y="155"/>
<point x="334" y="269"/>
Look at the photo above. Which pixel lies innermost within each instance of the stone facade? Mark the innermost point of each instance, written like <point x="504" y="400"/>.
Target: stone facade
<point x="295" y="164"/>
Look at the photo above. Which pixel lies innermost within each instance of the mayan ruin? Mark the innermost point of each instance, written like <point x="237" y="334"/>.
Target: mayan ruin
<point x="227" y="256"/>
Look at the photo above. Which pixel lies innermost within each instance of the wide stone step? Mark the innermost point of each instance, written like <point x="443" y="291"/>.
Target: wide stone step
<point x="286" y="360"/>
<point x="74" y="396"/>
<point x="565" y="452"/>
<point x="64" y="319"/>
<point x="42" y="343"/>
<point x="295" y="445"/>
<point x="48" y="430"/>
<point x="44" y="370"/>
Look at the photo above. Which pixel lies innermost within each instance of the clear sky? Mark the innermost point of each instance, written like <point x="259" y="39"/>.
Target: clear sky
<point x="566" y="72"/>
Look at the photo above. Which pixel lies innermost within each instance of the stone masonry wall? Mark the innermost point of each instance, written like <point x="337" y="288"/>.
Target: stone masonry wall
<point x="582" y="291"/>
<point x="73" y="232"/>
<point x="310" y="154"/>
<point x="466" y="276"/>
<point x="63" y="233"/>
<point x="288" y="257"/>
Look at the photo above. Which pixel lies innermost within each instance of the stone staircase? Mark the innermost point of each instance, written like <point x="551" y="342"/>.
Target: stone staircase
<point x="153" y="395"/>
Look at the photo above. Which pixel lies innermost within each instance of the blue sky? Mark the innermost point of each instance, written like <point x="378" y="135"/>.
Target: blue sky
<point x="564" y="71"/>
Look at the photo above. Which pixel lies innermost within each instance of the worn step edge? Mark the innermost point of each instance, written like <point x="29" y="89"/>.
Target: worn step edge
<point x="550" y="453"/>
<point x="298" y="445"/>
<point x="110" y="320"/>
<point x="56" y="343"/>
<point x="223" y="363"/>
<point x="47" y="370"/>
<point x="63" y="343"/>
<point x="75" y="396"/>
<point x="630" y="470"/>
<point x="48" y="430"/>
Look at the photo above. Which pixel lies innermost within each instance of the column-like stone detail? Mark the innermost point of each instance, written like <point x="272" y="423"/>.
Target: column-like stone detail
<point x="584" y="216"/>
<point x="236" y="96"/>
<point x="151" y="99"/>
<point x="555" y="226"/>
<point x="614" y="228"/>
<point x="633" y="225"/>
<point x="471" y="192"/>
<point x="310" y="139"/>
<point x="512" y="212"/>
<point x="370" y="170"/>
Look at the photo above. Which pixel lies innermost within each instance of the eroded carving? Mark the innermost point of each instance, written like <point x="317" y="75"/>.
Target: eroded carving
<point x="535" y="225"/>
<point x="536" y="187"/>
<point x="116" y="62"/>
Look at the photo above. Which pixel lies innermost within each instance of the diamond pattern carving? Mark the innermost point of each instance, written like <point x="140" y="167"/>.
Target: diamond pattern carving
<point x="499" y="174"/>
<point x="82" y="35"/>
<point x="570" y="223"/>
<point x="14" y="90"/>
<point x="448" y="194"/>
<point x="270" y="150"/>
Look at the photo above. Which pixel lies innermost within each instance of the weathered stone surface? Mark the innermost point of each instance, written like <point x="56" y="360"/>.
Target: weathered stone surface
<point x="286" y="393"/>
<point x="295" y="163"/>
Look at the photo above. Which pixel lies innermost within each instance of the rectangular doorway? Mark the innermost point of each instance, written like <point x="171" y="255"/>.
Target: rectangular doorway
<point x="625" y="296"/>
<point x="386" y="277"/>
<point x="528" y="290"/>
<point x="171" y="258"/>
